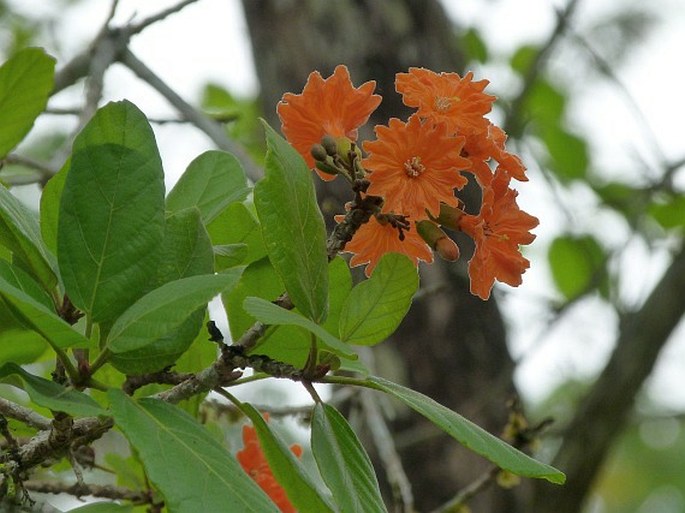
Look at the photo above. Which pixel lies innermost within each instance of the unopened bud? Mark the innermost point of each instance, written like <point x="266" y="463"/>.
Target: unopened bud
<point x="449" y="216"/>
<point x="329" y="144"/>
<point x="438" y="240"/>
<point x="319" y="153"/>
<point x="326" y="168"/>
<point x="447" y="249"/>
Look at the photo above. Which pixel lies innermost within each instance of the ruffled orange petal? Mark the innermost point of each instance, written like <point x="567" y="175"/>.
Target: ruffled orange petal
<point x="254" y="463"/>
<point x="331" y="106"/>
<point x="498" y="231"/>
<point x="373" y="240"/>
<point x="415" y="166"/>
<point x="459" y="103"/>
<point x="480" y="148"/>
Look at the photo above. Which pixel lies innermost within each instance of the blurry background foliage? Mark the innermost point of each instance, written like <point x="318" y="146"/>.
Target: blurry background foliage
<point x="605" y="229"/>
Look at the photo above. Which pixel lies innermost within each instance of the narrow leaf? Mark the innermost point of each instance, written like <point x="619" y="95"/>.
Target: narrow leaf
<point x="343" y="463"/>
<point x="286" y="468"/>
<point x="268" y="313"/>
<point x="25" y="84"/>
<point x="188" y="466"/>
<point x="111" y="218"/>
<point x="41" y="319"/>
<point x="49" y="207"/>
<point x="165" y="309"/>
<point x="469" y="434"/>
<point x="293" y="227"/>
<point x="20" y="233"/>
<point x="236" y="225"/>
<point x="50" y="394"/>
<point x="212" y="181"/>
<point x="376" y="306"/>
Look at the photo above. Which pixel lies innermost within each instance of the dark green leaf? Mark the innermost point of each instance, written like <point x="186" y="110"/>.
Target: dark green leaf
<point x="578" y="265"/>
<point x="469" y="434"/>
<point x="568" y="153"/>
<point x="42" y="320"/>
<point x="50" y="394"/>
<point x="670" y="214"/>
<point x="236" y="225"/>
<point x="287" y="470"/>
<point x="20" y="233"/>
<point x="376" y="306"/>
<point x="49" y="207"/>
<point x="188" y="466"/>
<point x="111" y="219"/>
<point x="25" y="84"/>
<point x="343" y="462"/>
<point x="22" y="281"/>
<point x="293" y="227"/>
<point x="165" y="309"/>
<point x="212" y="181"/>
<point x="269" y="313"/>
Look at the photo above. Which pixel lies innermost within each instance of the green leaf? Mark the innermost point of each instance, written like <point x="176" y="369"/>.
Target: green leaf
<point x="102" y="507"/>
<point x="188" y="466"/>
<point x="293" y="227"/>
<point x="473" y="44"/>
<point x="20" y="233"/>
<point x="25" y="84"/>
<point x="165" y="309"/>
<point x="568" y="153"/>
<point x="236" y="225"/>
<point x="231" y="254"/>
<point x="545" y="104"/>
<point x="23" y="281"/>
<point x="49" y="207"/>
<point x="212" y="181"/>
<point x="670" y="214"/>
<point x="268" y="313"/>
<point x="40" y="319"/>
<point x="50" y="394"/>
<point x="343" y="462"/>
<point x="469" y="434"/>
<point x="111" y="218"/>
<point x="578" y="265"/>
<point x="186" y="250"/>
<point x="376" y="306"/>
<point x="19" y="345"/>
<point x="286" y="468"/>
<point x="523" y="58"/>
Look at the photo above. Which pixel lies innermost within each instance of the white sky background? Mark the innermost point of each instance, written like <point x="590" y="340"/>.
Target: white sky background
<point x="207" y="41"/>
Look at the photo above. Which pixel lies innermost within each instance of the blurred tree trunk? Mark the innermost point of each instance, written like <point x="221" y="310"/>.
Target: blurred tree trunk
<point x="452" y="346"/>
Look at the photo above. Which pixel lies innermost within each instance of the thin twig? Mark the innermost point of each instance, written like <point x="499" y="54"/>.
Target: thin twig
<point x="23" y="414"/>
<point x="139" y="27"/>
<point x="81" y="490"/>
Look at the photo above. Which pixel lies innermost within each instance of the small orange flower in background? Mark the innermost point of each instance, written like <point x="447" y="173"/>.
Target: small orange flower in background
<point x="498" y="230"/>
<point x="459" y="103"/>
<point x="253" y="461"/>
<point x="373" y="240"/>
<point x="326" y="107"/>
<point x="415" y="166"/>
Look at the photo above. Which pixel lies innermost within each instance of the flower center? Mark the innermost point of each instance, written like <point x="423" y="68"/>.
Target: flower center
<point x="443" y="103"/>
<point x="413" y="167"/>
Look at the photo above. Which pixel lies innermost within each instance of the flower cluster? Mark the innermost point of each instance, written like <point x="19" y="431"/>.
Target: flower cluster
<point x="253" y="461"/>
<point x="416" y="166"/>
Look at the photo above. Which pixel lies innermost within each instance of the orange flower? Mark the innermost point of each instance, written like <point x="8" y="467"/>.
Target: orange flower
<point x="415" y="166"/>
<point x="479" y="148"/>
<point x="253" y="461"/>
<point x="447" y="98"/>
<point x="373" y="240"/>
<point x="326" y="107"/>
<point x="498" y="230"/>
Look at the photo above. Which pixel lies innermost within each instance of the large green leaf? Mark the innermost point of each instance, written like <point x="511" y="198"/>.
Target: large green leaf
<point x="23" y="281"/>
<point x="188" y="466"/>
<point x="25" y="84"/>
<point x="50" y="394"/>
<point x="287" y="470"/>
<point x="269" y="313"/>
<point x="469" y="434"/>
<point x="293" y="227"/>
<point x="165" y="309"/>
<point x="569" y="155"/>
<point x="343" y="463"/>
<point x="236" y="225"/>
<point x="17" y="344"/>
<point x="578" y="265"/>
<point x="49" y="206"/>
<point x="111" y="218"/>
<point x="20" y="233"/>
<point x="212" y="181"/>
<point x="376" y="306"/>
<point x="36" y="316"/>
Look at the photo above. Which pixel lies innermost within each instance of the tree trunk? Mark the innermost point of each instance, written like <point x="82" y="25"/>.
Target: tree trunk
<point x="452" y="345"/>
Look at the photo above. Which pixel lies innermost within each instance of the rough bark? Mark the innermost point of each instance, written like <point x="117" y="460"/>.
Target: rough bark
<point x="452" y="346"/>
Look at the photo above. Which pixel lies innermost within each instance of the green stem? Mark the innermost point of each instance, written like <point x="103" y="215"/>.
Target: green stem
<point x="345" y="380"/>
<point x="255" y="377"/>
<point x="101" y="359"/>
<point x="71" y="371"/>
